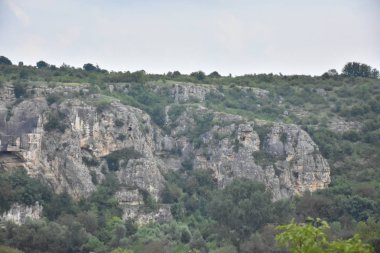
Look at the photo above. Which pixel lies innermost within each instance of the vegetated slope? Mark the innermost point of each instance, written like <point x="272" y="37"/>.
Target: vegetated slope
<point x="191" y="135"/>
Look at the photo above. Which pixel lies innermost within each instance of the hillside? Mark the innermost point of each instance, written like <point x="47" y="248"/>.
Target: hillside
<point x="183" y="162"/>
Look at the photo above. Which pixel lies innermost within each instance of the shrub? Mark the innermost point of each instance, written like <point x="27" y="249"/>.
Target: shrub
<point x="119" y="123"/>
<point x="91" y="162"/>
<point x="53" y="98"/>
<point x="149" y="201"/>
<point x="20" y="90"/>
<point x="176" y="111"/>
<point x="114" y="159"/>
<point x="188" y="163"/>
<point x="56" y="121"/>
<point x="103" y="105"/>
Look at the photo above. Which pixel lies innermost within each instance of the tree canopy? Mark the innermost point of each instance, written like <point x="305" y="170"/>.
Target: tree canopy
<point x="312" y="238"/>
<point x="235" y="206"/>
<point x="4" y="60"/>
<point x="42" y="64"/>
<point x="356" y="69"/>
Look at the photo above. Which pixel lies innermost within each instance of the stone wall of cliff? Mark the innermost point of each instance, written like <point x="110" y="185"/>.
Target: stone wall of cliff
<point x="89" y="139"/>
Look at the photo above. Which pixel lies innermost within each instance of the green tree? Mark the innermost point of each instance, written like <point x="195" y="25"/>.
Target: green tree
<point x="89" y="67"/>
<point x="199" y="75"/>
<point x="235" y="206"/>
<point x="176" y="73"/>
<point x="42" y="64"/>
<point x="5" y="61"/>
<point x="312" y="238"/>
<point x="370" y="232"/>
<point x="375" y="74"/>
<point x="355" y="69"/>
<point x="214" y="74"/>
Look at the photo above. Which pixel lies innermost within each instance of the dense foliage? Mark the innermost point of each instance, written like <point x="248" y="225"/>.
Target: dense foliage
<point x="310" y="238"/>
<point x="206" y="218"/>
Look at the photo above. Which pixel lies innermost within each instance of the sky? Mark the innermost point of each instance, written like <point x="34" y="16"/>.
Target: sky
<point x="228" y="36"/>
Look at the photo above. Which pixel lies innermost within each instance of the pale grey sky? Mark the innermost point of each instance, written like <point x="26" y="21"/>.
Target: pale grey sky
<point x="230" y="36"/>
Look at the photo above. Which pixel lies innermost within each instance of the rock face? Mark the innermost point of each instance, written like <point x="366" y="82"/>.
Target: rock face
<point x="19" y="214"/>
<point x="70" y="145"/>
<point x="302" y="167"/>
<point x="57" y="157"/>
<point x="285" y="158"/>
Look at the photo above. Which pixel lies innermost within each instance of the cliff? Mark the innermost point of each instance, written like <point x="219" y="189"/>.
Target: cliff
<point x="70" y="138"/>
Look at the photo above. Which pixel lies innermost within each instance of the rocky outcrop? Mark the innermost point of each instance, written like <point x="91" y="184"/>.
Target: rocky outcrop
<point x="285" y="158"/>
<point x="72" y="144"/>
<point x="20" y="213"/>
<point x="56" y="156"/>
<point x="132" y="201"/>
<point x="187" y="93"/>
<point x="302" y="167"/>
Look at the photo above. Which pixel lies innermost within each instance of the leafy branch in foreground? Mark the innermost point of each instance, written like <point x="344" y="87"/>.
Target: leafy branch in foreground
<point x="312" y="238"/>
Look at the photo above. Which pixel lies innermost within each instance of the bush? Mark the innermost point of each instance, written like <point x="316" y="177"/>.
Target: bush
<point x="53" y="98"/>
<point x="119" y="123"/>
<point x="150" y="203"/>
<point x="56" y="121"/>
<point x="176" y="111"/>
<point x="18" y="187"/>
<point x="20" y="90"/>
<point x="90" y="162"/>
<point x="114" y="158"/>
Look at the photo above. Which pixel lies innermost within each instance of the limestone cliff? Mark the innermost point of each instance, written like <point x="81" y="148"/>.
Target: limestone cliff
<point x="71" y="143"/>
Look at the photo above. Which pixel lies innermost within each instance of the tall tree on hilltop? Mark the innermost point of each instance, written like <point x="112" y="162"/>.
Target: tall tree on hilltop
<point x="5" y="61"/>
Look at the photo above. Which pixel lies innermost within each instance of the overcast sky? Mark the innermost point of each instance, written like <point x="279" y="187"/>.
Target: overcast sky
<point x="230" y="36"/>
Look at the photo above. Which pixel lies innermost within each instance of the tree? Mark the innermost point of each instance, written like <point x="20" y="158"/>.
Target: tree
<point x="5" y="61"/>
<point x="89" y="67"/>
<point x="42" y="64"/>
<point x="214" y="74"/>
<point x="370" y="232"/>
<point x="176" y="73"/>
<point x="235" y="206"/>
<point x="375" y="74"/>
<point x="312" y="238"/>
<point x="330" y="73"/>
<point x="199" y="75"/>
<point x="355" y="69"/>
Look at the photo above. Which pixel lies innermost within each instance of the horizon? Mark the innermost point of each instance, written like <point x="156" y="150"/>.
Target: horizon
<point x="165" y="73"/>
